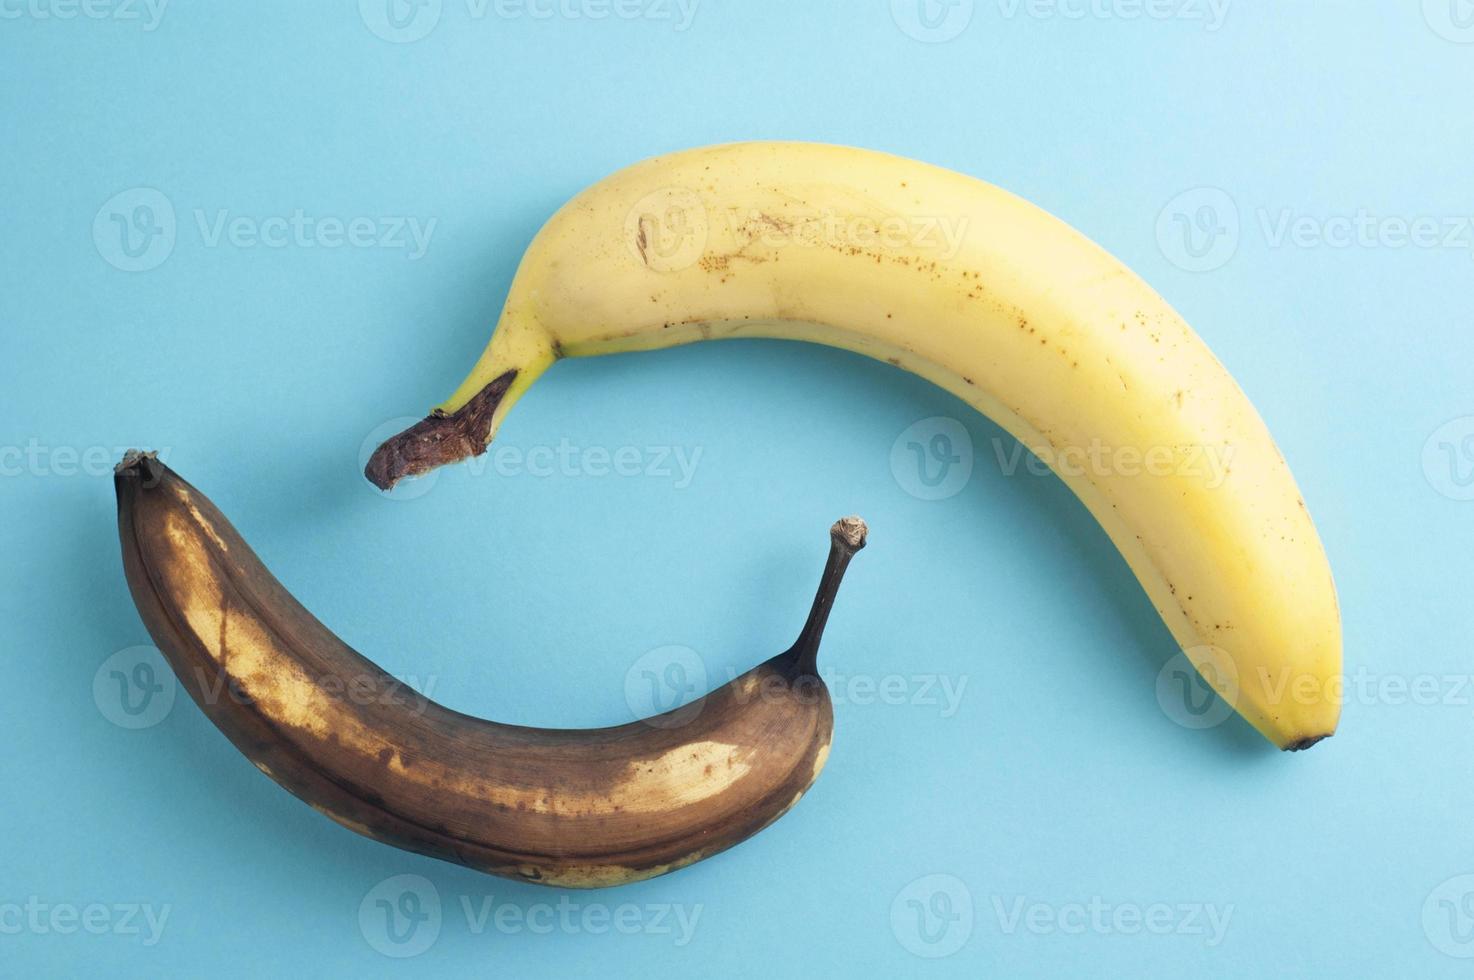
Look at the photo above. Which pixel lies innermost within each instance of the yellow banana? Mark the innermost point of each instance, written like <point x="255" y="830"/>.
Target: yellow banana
<point x="987" y="296"/>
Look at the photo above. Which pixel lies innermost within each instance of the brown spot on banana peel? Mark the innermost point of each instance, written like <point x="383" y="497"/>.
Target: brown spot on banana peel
<point x="439" y="438"/>
<point x="570" y="808"/>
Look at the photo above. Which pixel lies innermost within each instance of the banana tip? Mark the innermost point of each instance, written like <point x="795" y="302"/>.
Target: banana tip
<point x="133" y="459"/>
<point x="851" y="531"/>
<point x="439" y="438"/>
<point x="141" y="465"/>
<point x="1305" y="743"/>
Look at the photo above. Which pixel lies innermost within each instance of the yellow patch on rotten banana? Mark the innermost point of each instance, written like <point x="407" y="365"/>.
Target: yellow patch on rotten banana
<point x="603" y="875"/>
<point x="683" y="776"/>
<point x="201" y="521"/>
<point x="346" y="822"/>
<point x="249" y="656"/>
<point x="820" y="757"/>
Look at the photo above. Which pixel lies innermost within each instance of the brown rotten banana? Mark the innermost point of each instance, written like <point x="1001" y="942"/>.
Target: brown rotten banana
<point x="572" y="808"/>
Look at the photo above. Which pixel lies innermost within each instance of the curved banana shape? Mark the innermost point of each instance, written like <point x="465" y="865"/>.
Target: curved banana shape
<point x="572" y="808"/>
<point x="989" y="297"/>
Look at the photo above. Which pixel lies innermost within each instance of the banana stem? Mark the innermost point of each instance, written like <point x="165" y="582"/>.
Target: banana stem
<point x="846" y="537"/>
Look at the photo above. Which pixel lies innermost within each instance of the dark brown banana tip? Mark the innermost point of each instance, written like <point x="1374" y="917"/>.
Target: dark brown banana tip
<point x="439" y="438"/>
<point x="141" y="465"/>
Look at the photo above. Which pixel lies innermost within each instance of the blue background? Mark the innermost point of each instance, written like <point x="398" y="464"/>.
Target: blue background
<point x="1059" y="778"/>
